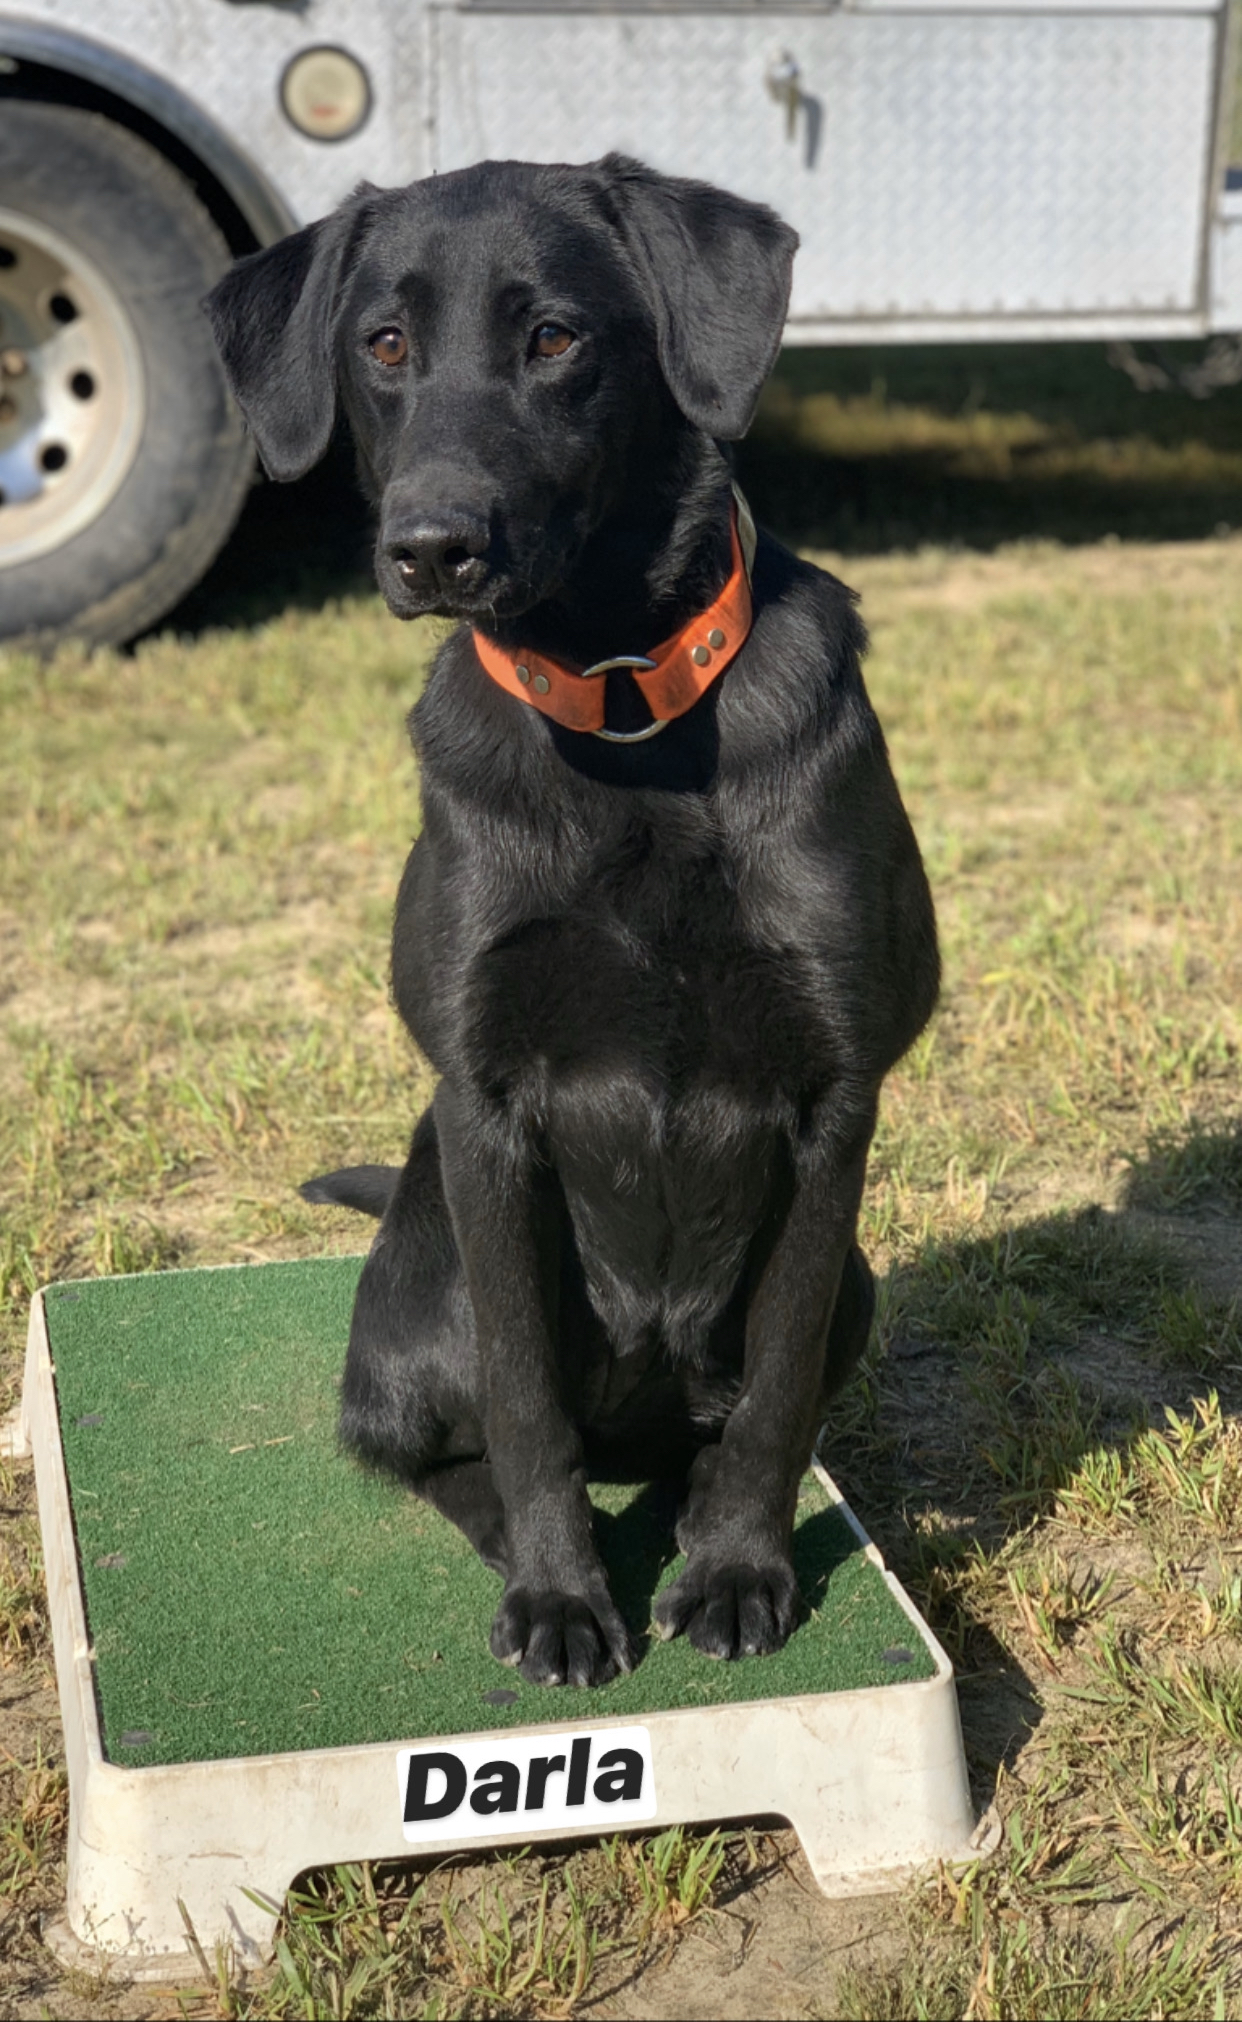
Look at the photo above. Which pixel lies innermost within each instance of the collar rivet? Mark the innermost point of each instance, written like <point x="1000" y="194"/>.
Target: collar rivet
<point x="523" y="674"/>
<point x="716" y="638"/>
<point x="700" y="656"/>
<point x="542" y="684"/>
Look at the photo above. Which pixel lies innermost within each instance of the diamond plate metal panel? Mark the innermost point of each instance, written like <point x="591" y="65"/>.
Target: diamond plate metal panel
<point x="936" y="165"/>
<point x="976" y="169"/>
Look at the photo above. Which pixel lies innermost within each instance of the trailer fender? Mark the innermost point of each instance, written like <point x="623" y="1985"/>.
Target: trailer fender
<point x="260" y="203"/>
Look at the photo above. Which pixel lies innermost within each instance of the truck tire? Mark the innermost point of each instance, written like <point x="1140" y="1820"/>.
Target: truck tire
<point x="123" y="462"/>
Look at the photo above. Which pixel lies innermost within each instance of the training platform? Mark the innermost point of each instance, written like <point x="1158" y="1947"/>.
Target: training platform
<point x="270" y="1660"/>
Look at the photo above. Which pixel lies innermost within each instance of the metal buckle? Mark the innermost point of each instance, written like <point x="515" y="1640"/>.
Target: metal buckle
<point x="626" y="736"/>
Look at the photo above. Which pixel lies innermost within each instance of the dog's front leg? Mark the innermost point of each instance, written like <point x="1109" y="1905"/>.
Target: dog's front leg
<point x="807" y="1323"/>
<point x="556" y="1620"/>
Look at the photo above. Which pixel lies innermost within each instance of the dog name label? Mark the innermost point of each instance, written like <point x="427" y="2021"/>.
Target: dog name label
<point x="514" y="1783"/>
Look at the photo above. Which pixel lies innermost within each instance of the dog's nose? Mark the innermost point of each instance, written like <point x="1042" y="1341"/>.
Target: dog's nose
<point x="441" y="552"/>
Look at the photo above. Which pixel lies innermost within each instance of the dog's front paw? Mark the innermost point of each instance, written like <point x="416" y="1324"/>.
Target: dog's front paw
<point x="730" y="1610"/>
<point x="561" y="1639"/>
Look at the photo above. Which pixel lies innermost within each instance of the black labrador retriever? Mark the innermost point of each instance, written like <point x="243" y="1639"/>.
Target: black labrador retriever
<point x="666" y="927"/>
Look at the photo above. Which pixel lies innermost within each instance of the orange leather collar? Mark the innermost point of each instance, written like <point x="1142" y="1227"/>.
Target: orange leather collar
<point x="671" y="678"/>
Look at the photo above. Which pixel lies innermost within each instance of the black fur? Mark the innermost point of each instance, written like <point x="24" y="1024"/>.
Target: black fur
<point x="661" y="983"/>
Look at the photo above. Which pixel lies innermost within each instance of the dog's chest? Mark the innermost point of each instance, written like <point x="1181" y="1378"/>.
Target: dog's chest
<point x="652" y="980"/>
<point x="661" y="1052"/>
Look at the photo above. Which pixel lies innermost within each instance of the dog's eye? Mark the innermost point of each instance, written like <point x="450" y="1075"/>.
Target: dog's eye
<point x="390" y="347"/>
<point x="551" y="340"/>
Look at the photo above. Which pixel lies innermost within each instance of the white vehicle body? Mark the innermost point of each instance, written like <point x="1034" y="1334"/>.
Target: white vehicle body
<point x="1038" y="168"/>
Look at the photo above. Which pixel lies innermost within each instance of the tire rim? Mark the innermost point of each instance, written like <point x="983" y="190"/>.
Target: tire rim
<point x="72" y="390"/>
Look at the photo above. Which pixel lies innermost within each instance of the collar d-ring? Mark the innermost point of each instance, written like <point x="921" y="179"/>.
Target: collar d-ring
<point x="626" y="736"/>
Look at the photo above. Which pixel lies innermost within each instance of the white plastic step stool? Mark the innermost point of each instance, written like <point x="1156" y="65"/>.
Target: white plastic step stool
<point x="873" y="1781"/>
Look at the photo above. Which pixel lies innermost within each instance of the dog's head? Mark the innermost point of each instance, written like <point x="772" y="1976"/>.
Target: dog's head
<point x="513" y="345"/>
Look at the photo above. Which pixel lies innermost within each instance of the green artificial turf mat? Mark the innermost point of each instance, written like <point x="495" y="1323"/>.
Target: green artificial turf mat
<point x="251" y="1590"/>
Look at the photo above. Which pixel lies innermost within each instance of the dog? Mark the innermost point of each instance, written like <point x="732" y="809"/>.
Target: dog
<point x="665" y="928"/>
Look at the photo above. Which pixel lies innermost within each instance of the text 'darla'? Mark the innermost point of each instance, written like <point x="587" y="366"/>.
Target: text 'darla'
<point x="525" y="1783"/>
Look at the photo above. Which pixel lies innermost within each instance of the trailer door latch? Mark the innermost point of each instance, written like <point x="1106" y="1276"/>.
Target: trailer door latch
<point x="784" y="81"/>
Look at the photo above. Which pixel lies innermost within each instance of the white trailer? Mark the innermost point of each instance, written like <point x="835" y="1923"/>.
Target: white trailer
<point x="958" y="170"/>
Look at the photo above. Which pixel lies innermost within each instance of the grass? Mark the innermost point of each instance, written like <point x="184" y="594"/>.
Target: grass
<point x="524" y="1936"/>
<point x="885" y="449"/>
<point x="1001" y="1966"/>
<point x="202" y="841"/>
<point x="35" y="1816"/>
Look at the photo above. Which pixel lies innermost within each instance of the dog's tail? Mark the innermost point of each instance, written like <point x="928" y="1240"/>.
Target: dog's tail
<point x="369" y="1188"/>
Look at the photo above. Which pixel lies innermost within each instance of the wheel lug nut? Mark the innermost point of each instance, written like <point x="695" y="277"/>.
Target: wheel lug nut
<point x="12" y="362"/>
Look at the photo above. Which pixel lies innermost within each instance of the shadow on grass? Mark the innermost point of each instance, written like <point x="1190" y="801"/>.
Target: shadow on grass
<point x="1009" y="1369"/>
<point x="1199" y="1171"/>
<point x="296" y="546"/>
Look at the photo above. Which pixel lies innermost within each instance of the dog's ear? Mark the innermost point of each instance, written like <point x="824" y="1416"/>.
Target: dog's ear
<point x="272" y="317"/>
<point x="718" y="271"/>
